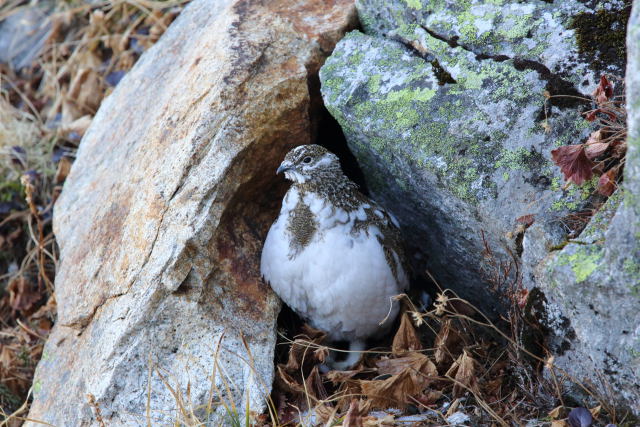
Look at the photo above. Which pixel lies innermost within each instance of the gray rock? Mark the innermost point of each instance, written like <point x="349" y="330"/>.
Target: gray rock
<point x="457" y="144"/>
<point x="162" y="315"/>
<point x="444" y="104"/>
<point x="595" y="282"/>
<point x="562" y="38"/>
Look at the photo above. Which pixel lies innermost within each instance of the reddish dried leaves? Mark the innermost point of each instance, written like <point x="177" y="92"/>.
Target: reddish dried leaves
<point x="604" y="150"/>
<point x="574" y="163"/>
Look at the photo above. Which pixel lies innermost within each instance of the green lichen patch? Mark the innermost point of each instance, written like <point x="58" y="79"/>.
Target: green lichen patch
<point x="414" y="4"/>
<point x="583" y="261"/>
<point x="631" y="267"/>
<point x="514" y="159"/>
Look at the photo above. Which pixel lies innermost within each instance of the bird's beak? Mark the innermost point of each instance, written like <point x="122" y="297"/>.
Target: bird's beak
<point x="284" y="166"/>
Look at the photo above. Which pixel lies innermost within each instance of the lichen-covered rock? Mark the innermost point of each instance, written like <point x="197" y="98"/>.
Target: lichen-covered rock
<point x="452" y="109"/>
<point x="454" y="134"/>
<point x="162" y="218"/>
<point x="569" y="38"/>
<point x="595" y="281"/>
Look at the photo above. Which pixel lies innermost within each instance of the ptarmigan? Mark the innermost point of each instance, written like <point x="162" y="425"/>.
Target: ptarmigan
<point x="333" y="255"/>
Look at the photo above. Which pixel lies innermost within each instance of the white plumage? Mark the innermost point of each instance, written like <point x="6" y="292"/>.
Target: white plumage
<point x="325" y="254"/>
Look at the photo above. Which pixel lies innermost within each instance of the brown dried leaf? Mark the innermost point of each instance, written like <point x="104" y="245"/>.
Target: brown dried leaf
<point x="556" y="412"/>
<point x="86" y="90"/>
<point x="326" y="414"/>
<point x="594" y="145"/>
<point x="70" y="112"/>
<point x="6" y="358"/>
<point x="558" y="423"/>
<point x="64" y="166"/>
<point x="23" y="295"/>
<point x="420" y="368"/>
<point x="596" y="149"/>
<point x="493" y="388"/>
<point x="465" y="374"/>
<point x="428" y="398"/>
<point x="78" y="126"/>
<point x="406" y="339"/>
<point x="604" y="91"/>
<point x="314" y="386"/>
<point x="287" y="383"/>
<point x="447" y="343"/>
<point x="527" y="220"/>
<point x="347" y="389"/>
<point x="594" y="137"/>
<point x="573" y="162"/>
<point x="607" y="182"/>
<point x="338" y="377"/>
<point x="304" y="350"/>
<point x="354" y="416"/>
<point x="393" y="392"/>
<point x="619" y="149"/>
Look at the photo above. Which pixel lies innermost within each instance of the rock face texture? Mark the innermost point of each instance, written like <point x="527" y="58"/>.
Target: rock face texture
<point x="452" y="109"/>
<point x="448" y="98"/>
<point x="595" y="281"/>
<point x="162" y="218"/>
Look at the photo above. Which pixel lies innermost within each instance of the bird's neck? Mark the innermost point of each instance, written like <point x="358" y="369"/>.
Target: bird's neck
<point x="338" y="189"/>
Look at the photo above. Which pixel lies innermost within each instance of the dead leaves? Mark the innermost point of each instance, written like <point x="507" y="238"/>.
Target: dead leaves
<point x="464" y="372"/>
<point x="604" y="151"/>
<point x="298" y="382"/>
<point x="354" y="416"/>
<point x="48" y="101"/>
<point x="392" y="392"/>
<point x="604" y="91"/>
<point x="406" y="339"/>
<point x="447" y="343"/>
<point x="404" y="378"/>
<point x="574" y="163"/>
<point x="23" y="295"/>
<point x="21" y="347"/>
<point x="607" y="182"/>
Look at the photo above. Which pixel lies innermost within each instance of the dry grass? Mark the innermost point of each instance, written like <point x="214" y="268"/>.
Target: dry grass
<point x="481" y="369"/>
<point x="222" y="401"/>
<point x="450" y="361"/>
<point x="45" y="108"/>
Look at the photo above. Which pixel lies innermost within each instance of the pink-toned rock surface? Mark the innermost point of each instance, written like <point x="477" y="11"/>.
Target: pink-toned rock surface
<point x="162" y="218"/>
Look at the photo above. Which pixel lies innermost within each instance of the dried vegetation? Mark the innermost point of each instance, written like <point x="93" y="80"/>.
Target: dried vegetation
<point x="604" y="152"/>
<point x="58" y="61"/>
<point x="450" y="365"/>
<point x="447" y="366"/>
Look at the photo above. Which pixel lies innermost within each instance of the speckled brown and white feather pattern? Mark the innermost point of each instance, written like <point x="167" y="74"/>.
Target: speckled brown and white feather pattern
<point x="333" y="255"/>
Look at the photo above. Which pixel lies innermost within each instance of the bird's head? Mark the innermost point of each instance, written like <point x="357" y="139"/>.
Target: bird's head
<point x="308" y="163"/>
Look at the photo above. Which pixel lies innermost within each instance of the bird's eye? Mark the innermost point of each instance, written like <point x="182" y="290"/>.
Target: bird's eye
<point x="306" y="160"/>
